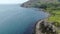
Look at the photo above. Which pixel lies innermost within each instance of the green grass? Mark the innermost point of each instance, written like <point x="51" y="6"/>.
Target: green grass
<point x="55" y="17"/>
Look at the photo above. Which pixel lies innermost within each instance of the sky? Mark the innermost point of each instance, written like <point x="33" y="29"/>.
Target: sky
<point x="12" y="1"/>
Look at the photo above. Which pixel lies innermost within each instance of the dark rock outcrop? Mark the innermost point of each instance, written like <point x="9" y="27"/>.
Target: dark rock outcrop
<point x="44" y="27"/>
<point x="47" y="28"/>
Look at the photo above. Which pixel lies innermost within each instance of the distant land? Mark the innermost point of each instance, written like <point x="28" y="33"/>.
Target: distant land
<point x="34" y="3"/>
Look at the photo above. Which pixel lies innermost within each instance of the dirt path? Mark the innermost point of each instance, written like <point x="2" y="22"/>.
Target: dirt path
<point x="37" y="28"/>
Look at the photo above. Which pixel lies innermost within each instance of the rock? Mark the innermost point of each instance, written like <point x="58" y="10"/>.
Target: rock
<point x="47" y="27"/>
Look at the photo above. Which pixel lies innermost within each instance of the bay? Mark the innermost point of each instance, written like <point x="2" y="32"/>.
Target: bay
<point x="18" y="20"/>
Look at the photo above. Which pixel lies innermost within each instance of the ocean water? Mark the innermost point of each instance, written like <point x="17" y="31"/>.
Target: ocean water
<point x="17" y="20"/>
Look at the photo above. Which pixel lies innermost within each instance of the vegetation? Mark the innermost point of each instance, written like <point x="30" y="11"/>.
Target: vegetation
<point x="53" y="9"/>
<point x="51" y="6"/>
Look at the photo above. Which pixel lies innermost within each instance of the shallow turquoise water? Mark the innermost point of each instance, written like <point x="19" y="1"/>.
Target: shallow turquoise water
<point x="17" y="20"/>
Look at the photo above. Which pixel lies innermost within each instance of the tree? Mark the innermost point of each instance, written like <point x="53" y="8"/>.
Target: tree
<point x="43" y="6"/>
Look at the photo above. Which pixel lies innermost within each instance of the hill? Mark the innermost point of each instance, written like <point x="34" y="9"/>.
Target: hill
<point x="34" y="3"/>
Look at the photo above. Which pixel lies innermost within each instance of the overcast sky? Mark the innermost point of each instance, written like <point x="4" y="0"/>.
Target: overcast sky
<point x="11" y="1"/>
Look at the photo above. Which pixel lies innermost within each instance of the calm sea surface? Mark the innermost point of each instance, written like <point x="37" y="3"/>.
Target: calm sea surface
<point x="17" y="20"/>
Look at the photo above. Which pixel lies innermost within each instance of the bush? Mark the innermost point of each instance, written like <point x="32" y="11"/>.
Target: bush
<point x="43" y="6"/>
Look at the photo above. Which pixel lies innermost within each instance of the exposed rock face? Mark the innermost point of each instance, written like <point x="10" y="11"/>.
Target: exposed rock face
<point x="47" y="28"/>
<point x="44" y="27"/>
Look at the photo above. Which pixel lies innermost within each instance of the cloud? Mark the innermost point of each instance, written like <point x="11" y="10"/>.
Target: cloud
<point x="11" y="1"/>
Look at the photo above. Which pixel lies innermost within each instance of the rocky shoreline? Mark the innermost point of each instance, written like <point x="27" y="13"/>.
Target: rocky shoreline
<point x="47" y="25"/>
<point x="38" y="30"/>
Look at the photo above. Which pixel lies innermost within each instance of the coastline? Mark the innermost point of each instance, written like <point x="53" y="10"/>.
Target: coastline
<point x="48" y="8"/>
<point x="40" y="20"/>
<point x="36" y="26"/>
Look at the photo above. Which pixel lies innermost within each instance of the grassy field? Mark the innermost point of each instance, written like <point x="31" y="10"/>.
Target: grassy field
<point x="55" y="17"/>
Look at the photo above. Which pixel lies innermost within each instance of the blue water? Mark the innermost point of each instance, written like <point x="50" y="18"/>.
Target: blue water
<point x="17" y="20"/>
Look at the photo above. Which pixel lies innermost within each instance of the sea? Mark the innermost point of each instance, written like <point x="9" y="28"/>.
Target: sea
<point x="15" y="19"/>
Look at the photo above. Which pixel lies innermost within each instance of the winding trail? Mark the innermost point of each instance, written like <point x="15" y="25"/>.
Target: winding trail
<point x="37" y="28"/>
